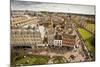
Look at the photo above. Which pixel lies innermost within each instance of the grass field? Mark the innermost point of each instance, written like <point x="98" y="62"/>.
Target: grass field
<point x="88" y="37"/>
<point x="90" y="27"/>
<point x="59" y="59"/>
<point x="33" y="60"/>
<point x="85" y="35"/>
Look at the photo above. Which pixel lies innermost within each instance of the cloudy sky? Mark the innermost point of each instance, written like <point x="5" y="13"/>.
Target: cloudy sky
<point x="52" y="7"/>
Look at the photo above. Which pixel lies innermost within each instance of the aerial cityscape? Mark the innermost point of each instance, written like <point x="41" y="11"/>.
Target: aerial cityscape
<point x="42" y="37"/>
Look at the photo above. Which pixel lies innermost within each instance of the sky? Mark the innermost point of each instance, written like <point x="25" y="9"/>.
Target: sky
<point x="52" y="7"/>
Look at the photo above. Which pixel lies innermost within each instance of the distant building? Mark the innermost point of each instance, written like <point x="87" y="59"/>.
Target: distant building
<point x="69" y="40"/>
<point x="17" y="12"/>
<point x="50" y="36"/>
<point x="42" y="31"/>
<point x="24" y="37"/>
<point x="21" y="21"/>
<point x="45" y="41"/>
<point x="57" y="40"/>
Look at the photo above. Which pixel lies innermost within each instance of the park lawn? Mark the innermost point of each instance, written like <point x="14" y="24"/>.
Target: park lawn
<point x="33" y="60"/>
<point x="86" y="35"/>
<point x="58" y="59"/>
<point x="90" y="47"/>
<point x="23" y="60"/>
<point x="90" y="26"/>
